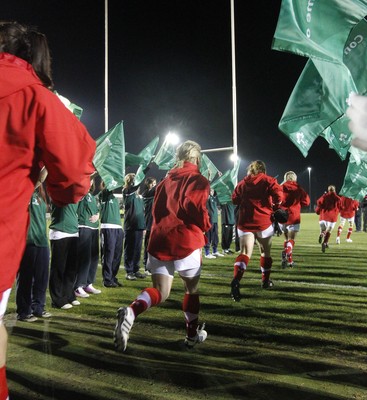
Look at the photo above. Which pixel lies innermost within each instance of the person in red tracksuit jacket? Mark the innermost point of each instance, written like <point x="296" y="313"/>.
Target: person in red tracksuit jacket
<point x="348" y="208"/>
<point x="257" y="195"/>
<point x="327" y="207"/>
<point x="36" y="130"/>
<point x="180" y="219"/>
<point x="294" y="198"/>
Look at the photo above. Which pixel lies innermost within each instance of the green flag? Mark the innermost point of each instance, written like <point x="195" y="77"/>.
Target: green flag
<point x="166" y="157"/>
<point x="317" y="28"/>
<point x="146" y="155"/>
<point x="207" y="168"/>
<point x="132" y="159"/>
<point x="355" y="180"/>
<point x="225" y="184"/>
<point x="76" y="110"/>
<point x="109" y="159"/>
<point x="316" y="107"/>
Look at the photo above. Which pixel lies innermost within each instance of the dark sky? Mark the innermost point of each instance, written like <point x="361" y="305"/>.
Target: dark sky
<point x="170" y="69"/>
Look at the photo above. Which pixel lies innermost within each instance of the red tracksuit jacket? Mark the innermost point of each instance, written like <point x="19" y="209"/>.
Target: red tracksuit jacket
<point x="180" y="216"/>
<point x="255" y="196"/>
<point x="294" y="197"/>
<point x="35" y="129"/>
<point x="348" y="207"/>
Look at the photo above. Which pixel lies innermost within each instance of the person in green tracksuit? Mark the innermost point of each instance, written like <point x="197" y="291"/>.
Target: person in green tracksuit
<point x="134" y="226"/>
<point x="33" y="274"/>
<point x="212" y="235"/>
<point x="88" y="245"/>
<point x="63" y="236"/>
<point x="112" y="237"/>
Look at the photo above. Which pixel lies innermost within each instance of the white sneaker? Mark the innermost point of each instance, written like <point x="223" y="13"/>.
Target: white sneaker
<point x="210" y="256"/>
<point x="80" y="292"/>
<point x="200" y="337"/>
<point x="217" y="254"/>
<point x="66" y="306"/>
<point x="75" y="303"/>
<point x="91" y="289"/>
<point x="338" y="240"/>
<point x="349" y="240"/>
<point x="125" y="321"/>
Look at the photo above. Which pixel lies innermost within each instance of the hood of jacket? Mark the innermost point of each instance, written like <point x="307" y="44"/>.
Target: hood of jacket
<point x="290" y="186"/>
<point x="16" y="74"/>
<point x="187" y="168"/>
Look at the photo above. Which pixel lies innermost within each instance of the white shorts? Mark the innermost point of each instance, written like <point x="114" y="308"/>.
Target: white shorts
<point x="189" y="266"/>
<point x="260" y="234"/>
<point x="4" y="297"/>
<point x="327" y="225"/>
<point x="290" y="228"/>
<point x="343" y="220"/>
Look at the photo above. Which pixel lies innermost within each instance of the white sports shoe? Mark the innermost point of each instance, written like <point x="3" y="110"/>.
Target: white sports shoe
<point x="80" y="292"/>
<point x="338" y="240"/>
<point x="125" y="321"/>
<point x="200" y="337"/>
<point x="210" y="256"/>
<point x="91" y="289"/>
<point x="349" y="240"/>
<point x="75" y="303"/>
<point x="217" y="254"/>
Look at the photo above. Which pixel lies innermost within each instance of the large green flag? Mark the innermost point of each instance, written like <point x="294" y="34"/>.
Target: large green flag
<point x="316" y="107"/>
<point x="166" y="157"/>
<point x="317" y="28"/>
<point x="207" y="168"/>
<point x="76" y="110"/>
<point x="132" y="159"/>
<point x="355" y="180"/>
<point x="109" y="159"/>
<point x="146" y="155"/>
<point x="225" y="184"/>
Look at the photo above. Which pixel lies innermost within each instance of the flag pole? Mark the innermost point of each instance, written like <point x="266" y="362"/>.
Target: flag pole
<point x="234" y="94"/>
<point x="106" y="67"/>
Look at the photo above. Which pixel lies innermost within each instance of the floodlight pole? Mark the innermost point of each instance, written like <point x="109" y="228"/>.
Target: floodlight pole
<point x="106" y="66"/>
<point x="234" y="94"/>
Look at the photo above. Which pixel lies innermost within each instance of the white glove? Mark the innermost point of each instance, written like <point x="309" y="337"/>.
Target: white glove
<point x="357" y="112"/>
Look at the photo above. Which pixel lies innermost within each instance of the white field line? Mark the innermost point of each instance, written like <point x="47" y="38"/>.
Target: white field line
<point x="301" y="283"/>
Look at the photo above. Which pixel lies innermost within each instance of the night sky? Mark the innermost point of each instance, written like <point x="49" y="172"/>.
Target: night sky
<point x="170" y="69"/>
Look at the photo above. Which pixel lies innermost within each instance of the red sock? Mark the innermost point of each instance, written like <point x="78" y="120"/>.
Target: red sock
<point x="240" y="266"/>
<point x="290" y="249"/>
<point x="149" y="297"/>
<point x="190" y="307"/>
<point x="265" y="264"/>
<point x="3" y="386"/>
<point x="350" y="230"/>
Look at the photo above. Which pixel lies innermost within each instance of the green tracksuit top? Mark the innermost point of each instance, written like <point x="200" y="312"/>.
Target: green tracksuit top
<point x="109" y="207"/>
<point x="87" y="207"/>
<point x="37" y="232"/>
<point x="64" y="219"/>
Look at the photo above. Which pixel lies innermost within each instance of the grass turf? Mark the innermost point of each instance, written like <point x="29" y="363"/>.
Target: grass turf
<point x="304" y="339"/>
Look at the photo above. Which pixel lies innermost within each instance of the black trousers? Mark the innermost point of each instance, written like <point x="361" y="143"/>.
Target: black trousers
<point x="64" y="266"/>
<point x="111" y="253"/>
<point x="32" y="280"/>
<point x="88" y="256"/>
<point x="132" y="250"/>
<point x="227" y="236"/>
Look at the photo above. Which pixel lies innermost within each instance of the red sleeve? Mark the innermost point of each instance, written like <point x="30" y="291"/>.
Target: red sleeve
<point x="236" y="195"/>
<point x="67" y="150"/>
<point x="305" y="199"/>
<point x="276" y="192"/>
